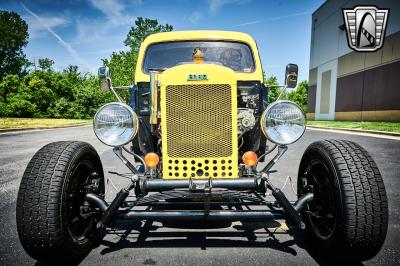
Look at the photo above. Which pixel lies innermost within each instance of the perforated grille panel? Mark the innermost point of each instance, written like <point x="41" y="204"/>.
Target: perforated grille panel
<point x="199" y="121"/>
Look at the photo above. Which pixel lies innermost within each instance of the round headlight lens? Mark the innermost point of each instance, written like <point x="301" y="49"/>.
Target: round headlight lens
<point x="283" y="122"/>
<point x="115" y="124"/>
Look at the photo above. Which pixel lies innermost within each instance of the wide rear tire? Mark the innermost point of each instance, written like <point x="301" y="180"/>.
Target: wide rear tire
<point x="348" y="218"/>
<point x="49" y="222"/>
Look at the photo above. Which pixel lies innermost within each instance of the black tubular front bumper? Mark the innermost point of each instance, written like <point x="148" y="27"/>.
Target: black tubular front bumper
<point x="207" y="214"/>
<point x="157" y="185"/>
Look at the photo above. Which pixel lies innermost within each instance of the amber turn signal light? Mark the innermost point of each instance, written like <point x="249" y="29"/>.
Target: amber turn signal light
<point x="151" y="160"/>
<point x="250" y="158"/>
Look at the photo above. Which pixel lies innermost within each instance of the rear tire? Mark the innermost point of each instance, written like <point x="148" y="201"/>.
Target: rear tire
<point x="51" y="192"/>
<point x="349" y="213"/>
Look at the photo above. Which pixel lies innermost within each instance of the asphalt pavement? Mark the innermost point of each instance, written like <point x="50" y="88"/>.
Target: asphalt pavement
<point x="155" y="244"/>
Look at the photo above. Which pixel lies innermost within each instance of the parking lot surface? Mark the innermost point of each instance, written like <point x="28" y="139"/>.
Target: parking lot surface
<point x="224" y="244"/>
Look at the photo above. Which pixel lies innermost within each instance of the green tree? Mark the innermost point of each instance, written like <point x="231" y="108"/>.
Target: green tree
<point x="300" y="95"/>
<point x="42" y="95"/>
<point x="9" y="85"/>
<point x="13" y="37"/>
<point x="122" y="64"/>
<point x="143" y="27"/>
<point x="15" y="100"/>
<point x="273" y="89"/>
<point x="45" y="64"/>
<point x="44" y="92"/>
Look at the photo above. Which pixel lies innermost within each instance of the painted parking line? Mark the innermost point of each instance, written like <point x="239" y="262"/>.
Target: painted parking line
<point x="23" y="131"/>
<point x="365" y="134"/>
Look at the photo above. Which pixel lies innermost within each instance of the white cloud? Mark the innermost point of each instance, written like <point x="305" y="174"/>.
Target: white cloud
<point x="195" y="16"/>
<point x="89" y="30"/>
<point x="113" y="10"/>
<point x="96" y="31"/>
<point x="63" y="43"/>
<point x="100" y="29"/>
<point x="270" y="19"/>
<point x="215" y="5"/>
<point x="37" y="30"/>
<point x="108" y="7"/>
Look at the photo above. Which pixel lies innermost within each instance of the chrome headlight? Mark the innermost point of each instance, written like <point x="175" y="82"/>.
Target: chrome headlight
<point x="283" y="122"/>
<point x="115" y="124"/>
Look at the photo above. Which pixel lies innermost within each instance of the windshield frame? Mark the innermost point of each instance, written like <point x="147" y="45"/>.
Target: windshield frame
<point x="204" y="40"/>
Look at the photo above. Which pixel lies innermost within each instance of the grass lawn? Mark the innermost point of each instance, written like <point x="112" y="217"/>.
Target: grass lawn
<point x="379" y="126"/>
<point x="21" y="123"/>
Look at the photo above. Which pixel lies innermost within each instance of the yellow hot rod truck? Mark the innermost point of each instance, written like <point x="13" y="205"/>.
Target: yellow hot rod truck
<point x="198" y="129"/>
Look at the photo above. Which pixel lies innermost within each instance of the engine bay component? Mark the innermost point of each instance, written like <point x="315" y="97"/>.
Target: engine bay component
<point x="246" y="120"/>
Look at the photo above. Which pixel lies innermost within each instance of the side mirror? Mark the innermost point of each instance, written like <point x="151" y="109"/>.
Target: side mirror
<point x="291" y="75"/>
<point x="105" y="78"/>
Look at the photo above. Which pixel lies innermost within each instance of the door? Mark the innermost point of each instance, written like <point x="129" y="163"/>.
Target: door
<point x="326" y="91"/>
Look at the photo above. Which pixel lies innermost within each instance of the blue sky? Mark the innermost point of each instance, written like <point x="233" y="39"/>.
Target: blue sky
<point x="82" y="32"/>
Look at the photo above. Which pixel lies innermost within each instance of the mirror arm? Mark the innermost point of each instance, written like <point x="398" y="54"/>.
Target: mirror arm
<point x="282" y="91"/>
<point x="122" y="87"/>
<point x="113" y="90"/>
<point x="281" y="86"/>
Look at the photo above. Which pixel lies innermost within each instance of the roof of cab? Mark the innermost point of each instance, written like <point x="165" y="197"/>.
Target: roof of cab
<point x="198" y="35"/>
<point x="194" y="35"/>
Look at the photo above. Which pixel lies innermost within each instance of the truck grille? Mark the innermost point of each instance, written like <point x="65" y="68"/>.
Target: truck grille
<point x="199" y="121"/>
<point x="199" y="125"/>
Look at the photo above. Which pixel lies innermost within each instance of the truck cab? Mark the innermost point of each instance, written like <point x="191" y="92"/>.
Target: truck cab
<point x="209" y="95"/>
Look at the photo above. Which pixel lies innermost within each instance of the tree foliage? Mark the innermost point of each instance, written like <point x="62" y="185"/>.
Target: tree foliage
<point x="44" y="92"/>
<point x="143" y="27"/>
<point x="45" y="64"/>
<point x="13" y="37"/>
<point x="300" y="95"/>
<point x="122" y="64"/>
<point x="273" y="90"/>
<point x="47" y="93"/>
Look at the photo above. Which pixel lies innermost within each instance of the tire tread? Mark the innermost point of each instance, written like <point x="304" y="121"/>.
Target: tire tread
<point x="39" y="202"/>
<point x="364" y="202"/>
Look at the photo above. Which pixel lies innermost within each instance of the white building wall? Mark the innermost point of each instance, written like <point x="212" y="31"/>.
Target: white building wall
<point x="328" y="42"/>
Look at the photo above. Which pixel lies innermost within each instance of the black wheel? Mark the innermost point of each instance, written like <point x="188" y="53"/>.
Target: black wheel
<point x="348" y="217"/>
<point x="50" y="223"/>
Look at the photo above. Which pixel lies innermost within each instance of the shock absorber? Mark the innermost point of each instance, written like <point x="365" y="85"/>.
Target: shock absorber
<point x="293" y="216"/>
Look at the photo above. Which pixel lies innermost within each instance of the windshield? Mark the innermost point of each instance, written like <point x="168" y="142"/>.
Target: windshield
<point x="234" y="55"/>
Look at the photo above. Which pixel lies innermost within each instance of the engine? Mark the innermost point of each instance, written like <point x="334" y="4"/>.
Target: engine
<point x="246" y="120"/>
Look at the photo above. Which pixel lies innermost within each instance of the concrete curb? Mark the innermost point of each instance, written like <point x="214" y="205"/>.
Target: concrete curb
<point x="395" y="134"/>
<point x="6" y="130"/>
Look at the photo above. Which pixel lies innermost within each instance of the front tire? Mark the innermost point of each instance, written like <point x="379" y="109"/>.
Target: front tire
<point x="349" y="213"/>
<point x="49" y="221"/>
